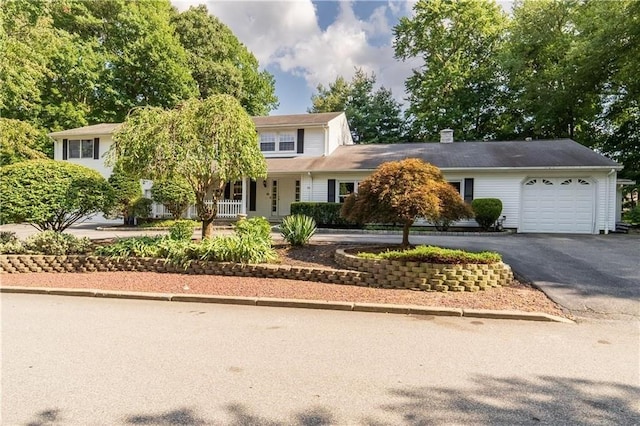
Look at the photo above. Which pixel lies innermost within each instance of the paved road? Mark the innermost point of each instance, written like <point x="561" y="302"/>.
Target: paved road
<point x="590" y="275"/>
<point x="86" y="361"/>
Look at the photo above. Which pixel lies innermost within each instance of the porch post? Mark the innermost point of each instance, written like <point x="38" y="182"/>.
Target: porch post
<point x="243" y="209"/>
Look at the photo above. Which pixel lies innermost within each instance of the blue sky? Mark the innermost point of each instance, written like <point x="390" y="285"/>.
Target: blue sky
<point x="304" y="43"/>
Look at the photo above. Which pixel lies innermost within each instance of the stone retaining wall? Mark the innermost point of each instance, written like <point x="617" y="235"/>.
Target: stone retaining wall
<point x="428" y="276"/>
<point x="77" y="263"/>
<point x="361" y="272"/>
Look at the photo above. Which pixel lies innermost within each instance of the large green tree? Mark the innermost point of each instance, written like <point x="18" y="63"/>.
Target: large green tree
<point x="20" y="141"/>
<point x="51" y="195"/>
<point x="219" y="63"/>
<point x="374" y="116"/>
<point x="206" y="142"/>
<point x="458" y="82"/>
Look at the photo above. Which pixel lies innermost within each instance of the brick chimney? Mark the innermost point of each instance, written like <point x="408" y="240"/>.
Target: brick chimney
<point x="446" y="136"/>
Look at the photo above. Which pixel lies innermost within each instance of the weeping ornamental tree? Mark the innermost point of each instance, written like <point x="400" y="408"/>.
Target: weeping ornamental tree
<point x="205" y="142"/>
<point x="402" y="191"/>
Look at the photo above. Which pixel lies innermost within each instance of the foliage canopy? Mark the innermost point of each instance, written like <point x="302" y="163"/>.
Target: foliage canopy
<point x="205" y="142"/>
<point x="401" y="192"/>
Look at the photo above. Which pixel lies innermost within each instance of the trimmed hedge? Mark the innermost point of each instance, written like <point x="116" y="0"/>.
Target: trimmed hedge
<point x="431" y="254"/>
<point x="487" y="211"/>
<point x="325" y="214"/>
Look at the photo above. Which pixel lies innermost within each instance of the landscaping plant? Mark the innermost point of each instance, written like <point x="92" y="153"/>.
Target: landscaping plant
<point x="633" y="215"/>
<point x="175" y="194"/>
<point x="401" y="192"/>
<point x="298" y="229"/>
<point x="51" y="195"/>
<point x="57" y="243"/>
<point x="127" y="190"/>
<point x="432" y="254"/>
<point x="182" y="230"/>
<point x="487" y="211"/>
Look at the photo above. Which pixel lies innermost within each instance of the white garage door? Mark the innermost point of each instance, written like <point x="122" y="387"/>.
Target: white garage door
<point x="558" y="205"/>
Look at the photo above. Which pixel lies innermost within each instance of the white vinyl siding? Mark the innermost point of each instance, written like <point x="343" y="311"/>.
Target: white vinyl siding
<point x="313" y="142"/>
<point x="88" y="161"/>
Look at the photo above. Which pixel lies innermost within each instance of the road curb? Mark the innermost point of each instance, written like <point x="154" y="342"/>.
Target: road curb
<point x="294" y="303"/>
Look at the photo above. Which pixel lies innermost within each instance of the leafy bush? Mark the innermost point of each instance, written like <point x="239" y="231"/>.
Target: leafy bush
<point x="182" y="230"/>
<point x="235" y="248"/>
<point x="176" y="195"/>
<point x="127" y="190"/>
<point x="167" y="223"/>
<point x="258" y="227"/>
<point x="134" y="246"/>
<point x="8" y="237"/>
<point x="431" y="254"/>
<point x="325" y="214"/>
<point x="9" y="243"/>
<point x="487" y="211"/>
<point x="633" y="215"/>
<point x="141" y="208"/>
<point x="51" y="194"/>
<point x="20" y="141"/>
<point x="298" y="229"/>
<point x="57" y="243"/>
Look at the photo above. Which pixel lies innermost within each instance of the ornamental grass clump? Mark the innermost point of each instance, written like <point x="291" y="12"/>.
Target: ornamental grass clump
<point x="134" y="246"/>
<point x="298" y="229"/>
<point x="432" y="254"/>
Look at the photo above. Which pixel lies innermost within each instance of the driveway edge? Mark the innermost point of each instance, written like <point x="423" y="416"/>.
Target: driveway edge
<point x="294" y="303"/>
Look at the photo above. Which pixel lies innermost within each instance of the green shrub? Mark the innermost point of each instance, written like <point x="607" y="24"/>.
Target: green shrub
<point x="9" y="243"/>
<point x="182" y="230"/>
<point x="298" y="229"/>
<point x="167" y="223"/>
<point x="127" y="190"/>
<point x="141" y="208"/>
<point x="633" y="215"/>
<point x="134" y="246"/>
<point x="486" y="211"/>
<point x="325" y="214"/>
<point x="57" y="243"/>
<point x="8" y="237"/>
<point x="258" y="227"/>
<point x="431" y="254"/>
<point x="51" y="194"/>
<point x="176" y="195"/>
<point x="235" y="248"/>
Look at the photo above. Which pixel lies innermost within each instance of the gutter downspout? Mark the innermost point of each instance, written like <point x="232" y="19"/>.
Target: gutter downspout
<point x="608" y="202"/>
<point x="326" y="139"/>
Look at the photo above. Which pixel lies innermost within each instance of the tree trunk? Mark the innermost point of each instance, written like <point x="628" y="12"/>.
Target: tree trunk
<point x="405" y="234"/>
<point x="207" y="228"/>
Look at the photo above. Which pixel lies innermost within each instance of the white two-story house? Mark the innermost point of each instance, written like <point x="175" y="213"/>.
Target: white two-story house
<point x="545" y="186"/>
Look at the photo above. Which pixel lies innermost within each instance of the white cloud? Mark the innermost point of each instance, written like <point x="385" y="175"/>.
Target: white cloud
<point x="287" y="34"/>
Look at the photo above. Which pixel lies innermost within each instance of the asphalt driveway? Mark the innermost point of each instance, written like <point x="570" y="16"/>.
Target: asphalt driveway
<point x="590" y="275"/>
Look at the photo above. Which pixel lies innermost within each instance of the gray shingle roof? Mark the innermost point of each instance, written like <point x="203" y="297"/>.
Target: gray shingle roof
<point x="296" y="119"/>
<point x="562" y="153"/>
<point x="96" y="129"/>
<point x="269" y="121"/>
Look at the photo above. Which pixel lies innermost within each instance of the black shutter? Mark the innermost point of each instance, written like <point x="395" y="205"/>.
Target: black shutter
<point x="468" y="190"/>
<point x="227" y="191"/>
<point x="252" y="195"/>
<point x="331" y="191"/>
<point x="96" y="148"/>
<point x="300" y="141"/>
<point x="65" y="148"/>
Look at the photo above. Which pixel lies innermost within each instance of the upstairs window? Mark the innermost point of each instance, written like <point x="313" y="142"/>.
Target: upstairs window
<point x="267" y="142"/>
<point x="278" y="142"/>
<point x="81" y="148"/>
<point x="286" y="142"/>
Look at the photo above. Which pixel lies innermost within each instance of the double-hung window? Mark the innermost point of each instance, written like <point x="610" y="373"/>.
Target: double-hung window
<point x="81" y="148"/>
<point x="277" y="142"/>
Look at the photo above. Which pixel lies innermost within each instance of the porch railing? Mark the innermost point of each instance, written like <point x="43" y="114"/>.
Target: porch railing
<point x="227" y="209"/>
